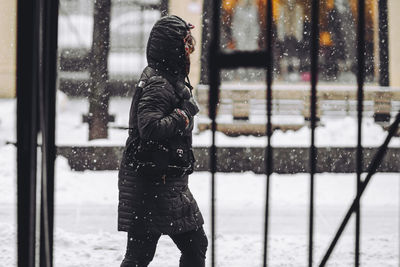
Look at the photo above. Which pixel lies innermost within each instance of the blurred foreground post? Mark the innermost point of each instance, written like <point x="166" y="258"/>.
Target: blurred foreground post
<point x="27" y="128"/>
<point x="382" y="102"/>
<point x="37" y="26"/>
<point x="98" y="116"/>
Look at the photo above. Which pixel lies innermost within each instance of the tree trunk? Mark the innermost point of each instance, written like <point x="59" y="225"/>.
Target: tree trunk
<point x="98" y="117"/>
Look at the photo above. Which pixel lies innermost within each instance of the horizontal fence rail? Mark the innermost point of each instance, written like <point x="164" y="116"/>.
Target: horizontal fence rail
<point x="287" y="160"/>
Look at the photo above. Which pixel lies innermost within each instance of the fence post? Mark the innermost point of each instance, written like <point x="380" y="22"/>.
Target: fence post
<point x="307" y="107"/>
<point x="27" y="126"/>
<point x="382" y="102"/>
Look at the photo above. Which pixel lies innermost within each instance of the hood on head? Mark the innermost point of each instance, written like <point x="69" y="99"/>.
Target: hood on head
<point x="165" y="47"/>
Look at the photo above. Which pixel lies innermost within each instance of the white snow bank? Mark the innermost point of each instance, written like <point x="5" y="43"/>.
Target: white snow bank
<point x="333" y="132"/>
<point x="71" y="131"/>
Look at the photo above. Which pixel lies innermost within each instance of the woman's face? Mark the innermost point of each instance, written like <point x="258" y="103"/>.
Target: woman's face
<point x="190" y="43"/>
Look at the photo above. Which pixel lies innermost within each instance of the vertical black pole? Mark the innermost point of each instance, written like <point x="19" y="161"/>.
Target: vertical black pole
<point x="27" y="62"/>
<point x="384" y="79"/>
<point x="205" y="40"/>
<point x="47" y="118"/>
<point x="360" y="98"/>
<point x="43" y="235"/>
<point x="313" y="105"/>
<point x="268" y="156"/>
<point x="214" y="76"/>
<point x="383" y="43"/>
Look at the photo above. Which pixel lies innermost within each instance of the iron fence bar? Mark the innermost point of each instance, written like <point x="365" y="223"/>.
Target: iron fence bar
<point x="313" y="109"/>
<point x="268" y="152"/>
<point x="377" y="160"/>
<point x="205" y="43"/>
<point x="213" y="100"/>
<point x="383" y="43"/>
<point x="255" y="59"/>
<point x="26" y="83"/>
<point x="44" y="248"/>
<point x="47" y="100"/>
<point x="360" y="99"/>
<point x="383" y="46"/>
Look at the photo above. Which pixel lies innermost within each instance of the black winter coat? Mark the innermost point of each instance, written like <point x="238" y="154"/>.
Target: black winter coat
<point x="153" y="177"/>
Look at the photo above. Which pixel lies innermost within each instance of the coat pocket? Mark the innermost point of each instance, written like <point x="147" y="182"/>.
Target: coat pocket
<point x="181" y="159"/>
<point x="152" y="157"/>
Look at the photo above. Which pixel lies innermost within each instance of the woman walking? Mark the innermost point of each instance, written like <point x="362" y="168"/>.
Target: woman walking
<point x="154" y="198"/>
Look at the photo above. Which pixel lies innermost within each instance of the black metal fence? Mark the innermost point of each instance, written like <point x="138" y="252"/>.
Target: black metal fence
<point x="219" y="60"/>
<point x="36" y="83"/>
<point x="37" y="23"/>
<point x="37" y="43"/>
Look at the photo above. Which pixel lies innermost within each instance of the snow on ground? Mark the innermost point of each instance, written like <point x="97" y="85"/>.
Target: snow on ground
<point x="336" y="131"/>
<point x="86" y="202"/>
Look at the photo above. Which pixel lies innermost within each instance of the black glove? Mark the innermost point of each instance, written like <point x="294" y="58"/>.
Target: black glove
<point x="190" y="107"/>
<point x="187" y="111"/>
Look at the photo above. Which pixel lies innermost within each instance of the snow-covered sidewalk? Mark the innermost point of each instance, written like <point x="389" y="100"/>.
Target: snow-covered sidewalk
<point x="86" y="202"/>
<point x="86" y="218"/>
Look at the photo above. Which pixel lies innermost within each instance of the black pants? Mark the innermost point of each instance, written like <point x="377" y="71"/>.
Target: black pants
<point x="141" y="249"/>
